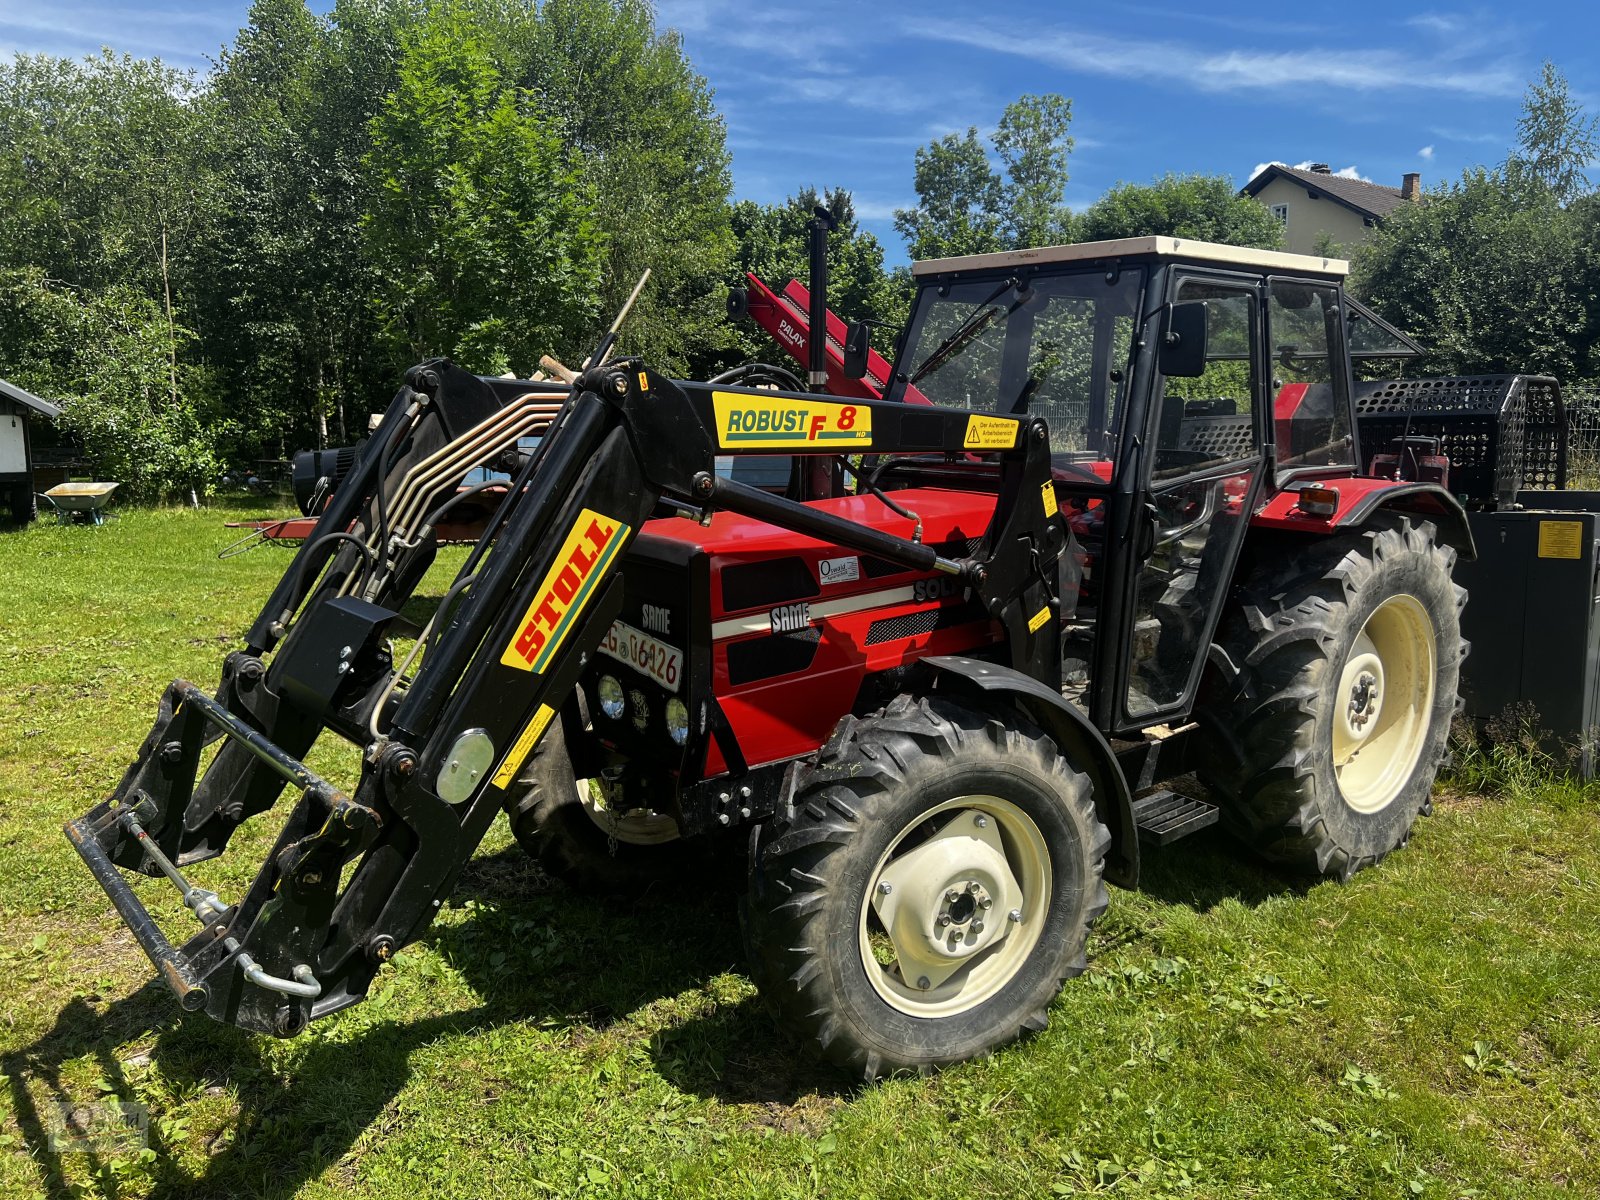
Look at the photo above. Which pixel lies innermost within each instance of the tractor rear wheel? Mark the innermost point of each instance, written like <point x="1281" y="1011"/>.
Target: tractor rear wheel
<point x="1325" y="747"/>
<point x="578" y="838"/>
<point x="933" y="889"/>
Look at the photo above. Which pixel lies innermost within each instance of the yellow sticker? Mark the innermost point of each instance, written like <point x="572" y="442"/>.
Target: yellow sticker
<point x="990" y="433"/>
<point x="1049" y="492"/>
<point x="1560" y="539"/>
<point x="580" y="564"/>
<point x="758" y="421"/>
<point x="644" y="384"/>
<point x="1036" y="622"/>
<point x="522" y="747"/>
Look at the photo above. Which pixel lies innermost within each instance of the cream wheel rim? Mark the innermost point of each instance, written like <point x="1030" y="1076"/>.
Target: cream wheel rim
<point x="955" y="906"/>
<point x="632" y="827"/>
<point x="1384" y="704"/>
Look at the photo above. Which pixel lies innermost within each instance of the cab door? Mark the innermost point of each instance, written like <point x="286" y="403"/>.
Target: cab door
<point x="1200" y="479"/>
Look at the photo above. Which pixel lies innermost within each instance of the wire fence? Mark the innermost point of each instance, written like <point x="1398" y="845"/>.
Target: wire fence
<point x="1583" y="436"/>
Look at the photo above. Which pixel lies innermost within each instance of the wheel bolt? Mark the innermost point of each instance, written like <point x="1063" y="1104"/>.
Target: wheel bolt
<point x="923" y="982"/>
<point x="977" y="928"/>
<point x="986" y="902"/>
<point x="944" y="919"/>
<point x="1015" y="914"/>
<point x="956" y="936"/>
<point x="953" y="894"/>
<point x="981" y="821"/>
<point x="886" y="887"/>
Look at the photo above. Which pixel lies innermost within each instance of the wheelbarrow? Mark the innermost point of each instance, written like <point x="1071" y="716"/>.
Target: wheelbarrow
<point x="83" y="503"/>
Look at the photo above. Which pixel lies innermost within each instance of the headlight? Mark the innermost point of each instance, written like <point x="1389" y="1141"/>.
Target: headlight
<point x="611" y="702"/>
<point x="641" y="711"/>
<point x="678" y="720"/>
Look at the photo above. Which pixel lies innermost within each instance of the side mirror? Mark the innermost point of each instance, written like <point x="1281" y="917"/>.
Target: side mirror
<point x="1183" y="340"/>
<point x="857" y="346"/>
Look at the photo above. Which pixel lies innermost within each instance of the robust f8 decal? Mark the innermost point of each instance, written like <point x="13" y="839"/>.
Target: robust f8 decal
<point x="582" y="562"/>
<point x="750" y="421"/>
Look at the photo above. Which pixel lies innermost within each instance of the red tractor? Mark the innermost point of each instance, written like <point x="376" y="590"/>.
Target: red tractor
<point x="924" y="669"/>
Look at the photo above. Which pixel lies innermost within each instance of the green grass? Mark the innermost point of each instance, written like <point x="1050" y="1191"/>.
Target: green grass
<point x="1430" y="1029"/>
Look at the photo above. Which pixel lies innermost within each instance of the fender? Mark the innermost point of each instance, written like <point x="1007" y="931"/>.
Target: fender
<point x="1359" y="498"/>
<point x="1081" y="744"/>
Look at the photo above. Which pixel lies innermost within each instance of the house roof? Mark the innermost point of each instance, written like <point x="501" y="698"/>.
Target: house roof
<point x="1368" y="199"/>
<point x="1158" y="247"/>
<point x="43" y="407"/>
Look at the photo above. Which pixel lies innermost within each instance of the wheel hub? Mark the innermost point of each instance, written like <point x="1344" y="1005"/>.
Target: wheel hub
<point x="1362" y="686"/>
<point x="935" y="901"/>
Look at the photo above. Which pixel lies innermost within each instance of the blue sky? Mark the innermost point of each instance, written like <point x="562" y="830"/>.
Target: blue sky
<point x="834" y="93"/>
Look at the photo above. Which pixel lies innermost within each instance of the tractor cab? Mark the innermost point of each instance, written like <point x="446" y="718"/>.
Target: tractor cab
<point x="1184" y="385"/>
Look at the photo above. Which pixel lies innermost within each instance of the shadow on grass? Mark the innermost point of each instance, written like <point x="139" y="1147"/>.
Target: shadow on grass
<point x="538" y="954"/>
<point x="1207" y="868"/>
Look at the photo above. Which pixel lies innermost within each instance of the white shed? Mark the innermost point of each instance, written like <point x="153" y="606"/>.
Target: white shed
<point x="17" y="408"/>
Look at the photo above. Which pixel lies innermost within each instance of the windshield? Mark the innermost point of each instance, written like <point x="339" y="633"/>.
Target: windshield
<point x="1054" y="346"/>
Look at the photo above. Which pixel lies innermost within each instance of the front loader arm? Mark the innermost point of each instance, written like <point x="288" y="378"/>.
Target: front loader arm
<point x="441" y="747"/>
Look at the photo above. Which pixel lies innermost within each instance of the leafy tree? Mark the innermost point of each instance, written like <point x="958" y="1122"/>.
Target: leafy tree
<point x="1499" y="270"/>
<point x="107" y="357"/>
<point x="1203" y="207"/>
<point x="479" y="226"/>
<point x="1556" y="139"/>
<point x="626" y="98"/>
<point x="965" y="206"/>
<point x="1483" y="273"/>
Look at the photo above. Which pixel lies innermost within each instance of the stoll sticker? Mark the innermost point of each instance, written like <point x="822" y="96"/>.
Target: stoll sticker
<point x="522" y="747"/>
<point x="580" y="563"/>
<point x="778" y="422"/>
<point x="839" y="570"/>
<point x="990" y="433"/>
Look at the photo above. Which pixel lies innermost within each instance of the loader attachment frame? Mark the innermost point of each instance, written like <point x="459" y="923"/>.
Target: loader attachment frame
<point x="353" y="877"/>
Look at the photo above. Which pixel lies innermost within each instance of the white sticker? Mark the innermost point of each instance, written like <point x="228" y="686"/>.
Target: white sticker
<point x="839" y="570"/>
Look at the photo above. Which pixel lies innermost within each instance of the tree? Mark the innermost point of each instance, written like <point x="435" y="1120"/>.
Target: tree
<point x="965" y="206"/>
<point x="1485" y="273"/>
<point x="626" y="98"/>
<point x="1556" y="140"/>
<point x="1203" y="207"/>
<point x="1499" y="271"/>
<point x="479" y="226"/>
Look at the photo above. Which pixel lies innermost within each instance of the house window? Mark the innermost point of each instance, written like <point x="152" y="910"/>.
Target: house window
<point x="1281" y="211"/>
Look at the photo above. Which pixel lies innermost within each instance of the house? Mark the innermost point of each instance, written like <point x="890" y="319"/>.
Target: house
<point x="1318" y="207"/>
<point x="17" y="409"/>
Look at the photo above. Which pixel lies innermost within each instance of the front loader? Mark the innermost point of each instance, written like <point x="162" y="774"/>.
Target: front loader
<point x="925" y="665"/>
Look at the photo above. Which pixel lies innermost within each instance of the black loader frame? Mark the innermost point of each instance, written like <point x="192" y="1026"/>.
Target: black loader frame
<point x="512" y="638"/>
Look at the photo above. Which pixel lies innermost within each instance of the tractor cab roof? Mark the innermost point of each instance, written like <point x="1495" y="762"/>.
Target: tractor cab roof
<point x="1161" y="248"/>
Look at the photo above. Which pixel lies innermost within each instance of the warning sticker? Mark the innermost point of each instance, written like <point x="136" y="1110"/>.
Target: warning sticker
<point x="522" y="747"/>
<point x="989" y="433"/>
<point x="1560" y="539"/>
<point x="1049" y="492"/>
<point x="1036" y="622"/>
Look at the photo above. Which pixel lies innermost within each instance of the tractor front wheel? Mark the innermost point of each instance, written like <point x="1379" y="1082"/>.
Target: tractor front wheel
<point x="931" y="892"/>
<point x="567" y="825"/>
<point x="1324" y="749"/>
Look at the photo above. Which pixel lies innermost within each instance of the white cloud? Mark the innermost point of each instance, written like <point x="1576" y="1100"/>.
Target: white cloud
<point x="1355" y="69"/>
<point x="1426" y="154"/>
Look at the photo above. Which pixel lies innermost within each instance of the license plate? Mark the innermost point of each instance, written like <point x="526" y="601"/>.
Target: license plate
<point x="645" y="654"/>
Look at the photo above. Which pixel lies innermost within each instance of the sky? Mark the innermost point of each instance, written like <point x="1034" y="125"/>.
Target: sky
<point x="834" y="93"/>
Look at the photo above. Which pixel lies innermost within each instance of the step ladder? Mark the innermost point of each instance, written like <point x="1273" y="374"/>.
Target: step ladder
<point x="1163" y="817"/>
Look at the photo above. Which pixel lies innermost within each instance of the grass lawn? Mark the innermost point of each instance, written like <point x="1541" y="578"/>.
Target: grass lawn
<point x="1430" y="1029"/>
